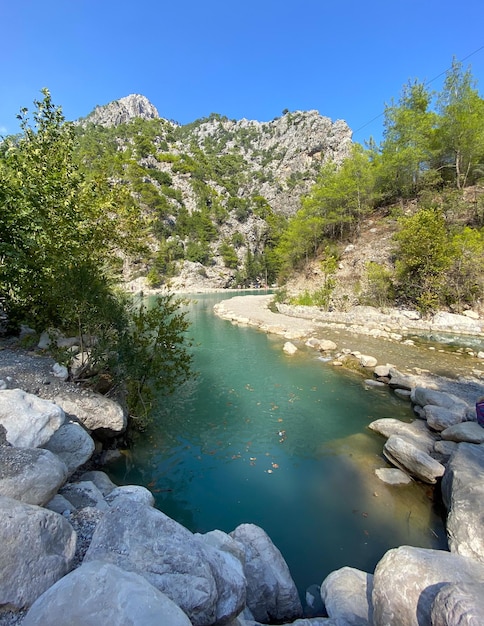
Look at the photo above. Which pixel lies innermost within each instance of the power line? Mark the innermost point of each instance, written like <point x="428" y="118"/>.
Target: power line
<point x="425" y="84"/>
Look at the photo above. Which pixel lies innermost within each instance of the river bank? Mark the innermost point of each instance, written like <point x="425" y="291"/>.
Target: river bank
<point x="410" y="344"/>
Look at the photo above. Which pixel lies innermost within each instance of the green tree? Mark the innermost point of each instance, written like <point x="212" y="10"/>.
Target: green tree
<point x="406" y="150"/>
<point x="424" y="256"/>
<point x="460" y="127"/>
<point x="61" y="235"/>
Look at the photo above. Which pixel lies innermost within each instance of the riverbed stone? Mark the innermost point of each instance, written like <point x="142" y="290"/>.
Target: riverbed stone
<point x="439" y="418"/>
<point x="132" y="493"/>
<point x="416" y="431"/>
<point x="289" y="348"/>
<point x="459" y="604"/>
<point x="443" y="450"/>
<point x="31" y="475"/>
<point x="345" y="594"/>
<point x="424" y="396"/>
<point x="367" y="360"/>
<point x="408" y="457"/>
<point x="271" y="591"/>
<point x="382" y="371"/>
<point x="100" y="479"/>
<point x="72" y="444"/>
<point x="463" y="495"/>
<point x="94" y="411"/>
<point x="326" y="345"/>
<point x="393" y="476"/>
<point x="37" y="548"/>
<point x="84" y="494"/>
<point x="30" y="421"/>
<point x="400" y="380"/>
<point x="407" y="580"/>
<point x="403" y="394"/>
<point x="208" y="584"/>
<point x="469" y="432"/>
<point x="102" y="593"/>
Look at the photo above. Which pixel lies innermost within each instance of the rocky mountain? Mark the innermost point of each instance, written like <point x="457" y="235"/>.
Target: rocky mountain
<point x="123" y="111"/>
<point x="218" y="191"/>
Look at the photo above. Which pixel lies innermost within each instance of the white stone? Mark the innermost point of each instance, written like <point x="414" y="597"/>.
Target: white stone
<point x="29" y="421"/>
<point x="289" y="348"/>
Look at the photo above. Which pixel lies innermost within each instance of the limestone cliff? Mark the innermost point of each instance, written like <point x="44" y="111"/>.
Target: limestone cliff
<point x="122" y="111"/>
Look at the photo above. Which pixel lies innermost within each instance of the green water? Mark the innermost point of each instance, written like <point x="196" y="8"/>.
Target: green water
<point x="281" y="442"/>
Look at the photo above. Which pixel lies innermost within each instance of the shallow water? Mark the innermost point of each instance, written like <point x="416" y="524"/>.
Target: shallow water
<point x="281" y="442"/>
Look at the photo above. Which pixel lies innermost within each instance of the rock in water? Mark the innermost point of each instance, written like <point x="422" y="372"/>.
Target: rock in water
<point x="345" y="593"/>
<point x="271" y="592"/>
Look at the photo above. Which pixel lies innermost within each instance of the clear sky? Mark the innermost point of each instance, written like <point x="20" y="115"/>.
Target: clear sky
<point x="252" y="59"/>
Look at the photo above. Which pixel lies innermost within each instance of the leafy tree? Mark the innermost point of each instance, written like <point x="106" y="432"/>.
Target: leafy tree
<point x="61" y="234"/>
<point x="460" y="126"/>
<point x="424" y="256"/>
<point x="406" y="150"/>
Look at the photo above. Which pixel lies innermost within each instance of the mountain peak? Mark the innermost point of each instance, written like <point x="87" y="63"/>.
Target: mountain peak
<point x="123" y="110"/>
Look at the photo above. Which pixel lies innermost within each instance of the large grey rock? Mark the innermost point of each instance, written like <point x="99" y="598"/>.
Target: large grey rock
<point x="37" y="548"/>
<point x="208" y="584"/>
<point x="101" y="593"/>
<point x="100" y="479"/>
<point x="31" y="475"/>
<point x="416" y="431"/>
<point x="132" y="493"/>
<point x="30" y="421"/>
<point x="412" y="460"/>
<point x="407" y="579"/>
<point x="271" y="592"/>
<point x="94" y="411"/>
<point x="463" y="495"/>
<point x="469" y="432"/>
<point x="459" y="605"/>
<point x="399" y="380"/>
<point x="439" y="418"/>
<point x="346" y="593"/>
<point x="72" y="444"/>
<point x="84" y="494"/>
<point x="424" y="396"/>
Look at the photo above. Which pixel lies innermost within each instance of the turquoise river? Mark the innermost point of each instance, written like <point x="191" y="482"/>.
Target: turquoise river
<point x="281" y="442"/>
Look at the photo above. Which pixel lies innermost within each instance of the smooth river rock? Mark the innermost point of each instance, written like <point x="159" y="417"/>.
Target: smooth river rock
<point x="72" y="444"/>
<point x="37" y="548"/>
<point x="94" y="411"/>
<point x="407" y="580"/>
<point x="31" y="475"/>
<point x="100" y="594"/>
<point x="29" y="421"/>
<point x="207" y="584"/>
<point x="271" y="592"/>
<point x="346" y="593"/>
<point x="463" y="495"/>
<point x="412" y="460"/>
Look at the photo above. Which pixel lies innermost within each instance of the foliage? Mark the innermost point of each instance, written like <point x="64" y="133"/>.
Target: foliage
<point x="460" y="126"/>
<point x="406" y="149"/>
<point x="152" y="356"/>
<point x="380" y="291"/>
<point x="61" y="234"/>
<point x="424" y="256"/>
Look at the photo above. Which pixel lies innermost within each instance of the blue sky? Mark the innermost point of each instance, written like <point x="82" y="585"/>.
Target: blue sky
<point x="251" y="59"/>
